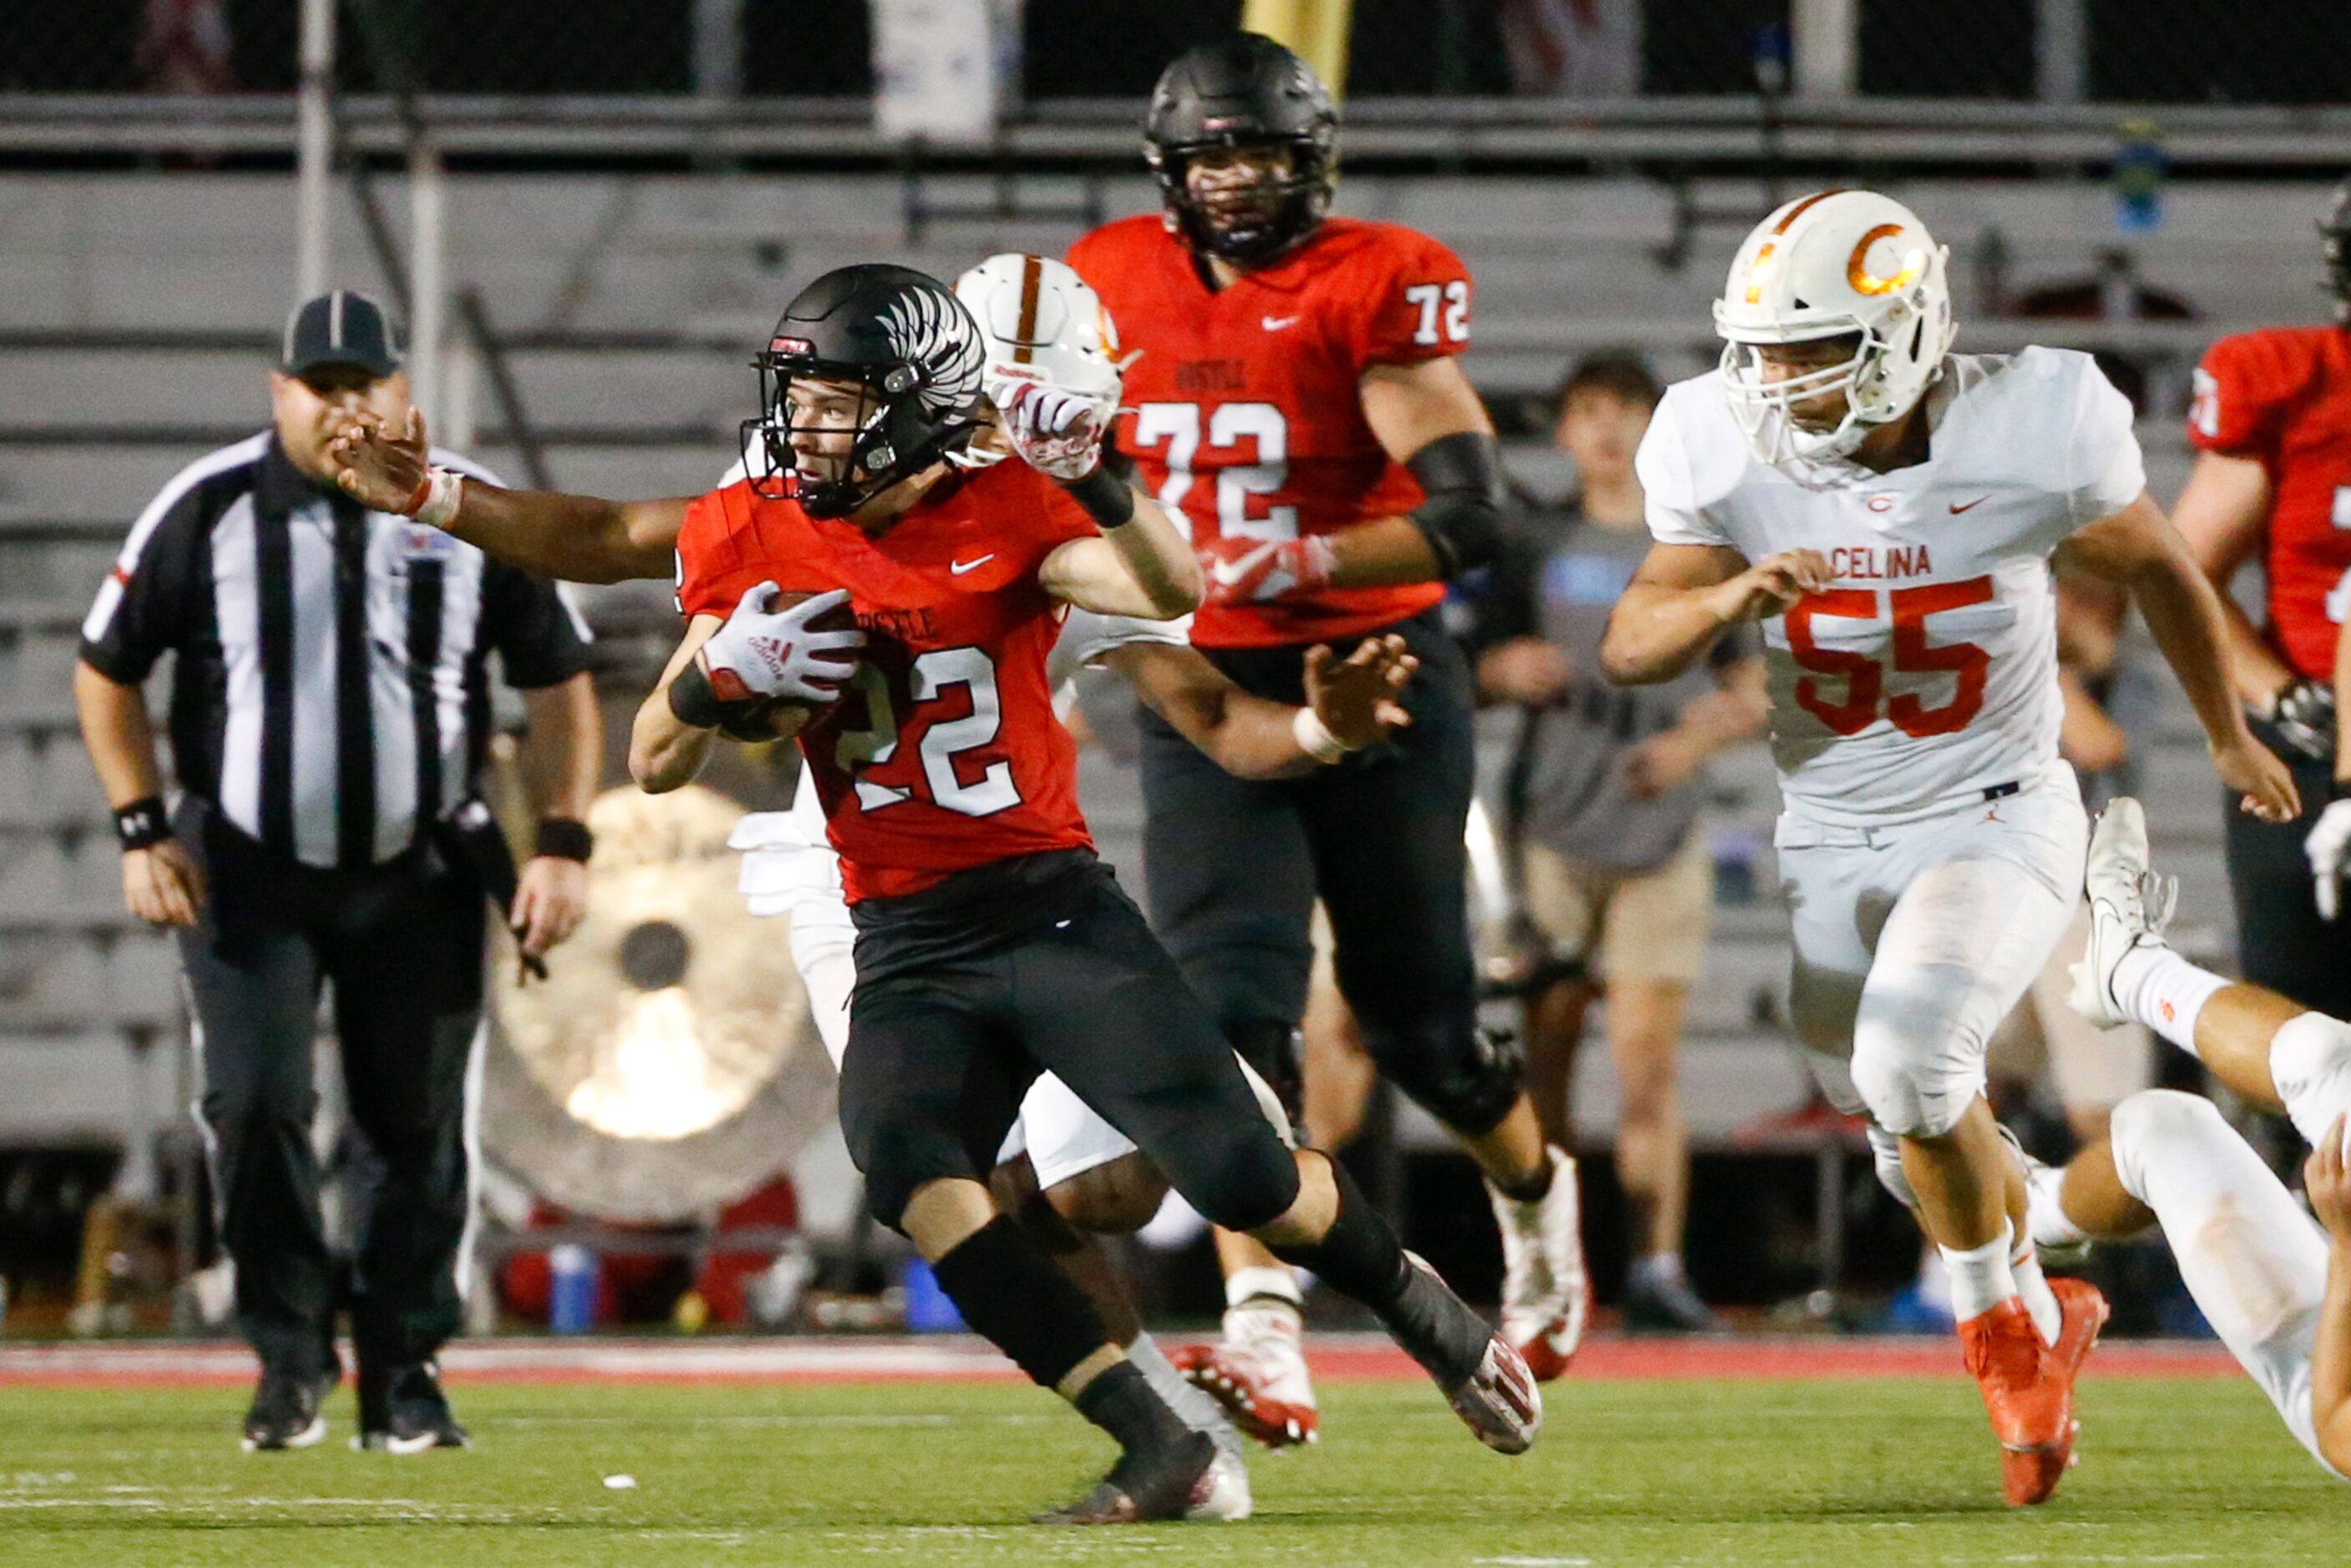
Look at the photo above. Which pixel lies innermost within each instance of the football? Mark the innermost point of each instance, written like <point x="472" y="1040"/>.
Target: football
<point x="756" y="720"/>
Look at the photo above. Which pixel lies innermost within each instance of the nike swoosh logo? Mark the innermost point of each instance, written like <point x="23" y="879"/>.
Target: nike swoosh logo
<point x="1980" y="500"/>
<point x="1228" y="572"/>
<point x="1276" y="323"/>
<point x="960" y="566"/>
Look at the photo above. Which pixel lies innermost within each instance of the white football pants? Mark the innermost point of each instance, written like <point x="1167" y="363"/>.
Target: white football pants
<point x="2255" y="1263"/>
<point x="1912" y="942"/>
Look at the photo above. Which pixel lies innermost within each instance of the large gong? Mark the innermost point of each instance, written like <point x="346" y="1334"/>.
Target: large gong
<point x="667" y="1063"/>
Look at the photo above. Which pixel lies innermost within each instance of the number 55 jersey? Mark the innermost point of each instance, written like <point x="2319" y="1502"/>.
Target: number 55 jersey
<point x="945" y="753"/>
<point x="1928" y="674"/>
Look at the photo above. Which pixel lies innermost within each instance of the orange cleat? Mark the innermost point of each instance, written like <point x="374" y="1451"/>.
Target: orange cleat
<point x="2031" y="1477"/>
<point x="2030" y="1401"/>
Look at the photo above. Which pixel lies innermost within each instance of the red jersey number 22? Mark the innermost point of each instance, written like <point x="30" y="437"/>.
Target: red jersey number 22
<point x="876" y="745"/>
<point x="1864" y="681"/>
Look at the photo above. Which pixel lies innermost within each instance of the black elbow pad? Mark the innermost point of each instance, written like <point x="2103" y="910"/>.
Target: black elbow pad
<point x="1462" y="518"/>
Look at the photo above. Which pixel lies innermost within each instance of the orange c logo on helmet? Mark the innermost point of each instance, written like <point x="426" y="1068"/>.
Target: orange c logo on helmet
<point x="1856" y="267"/>
<point x="1757" y="271"/>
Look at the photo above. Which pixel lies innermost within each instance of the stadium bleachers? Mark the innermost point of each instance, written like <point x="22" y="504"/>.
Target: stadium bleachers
<point x="627" y="298"/>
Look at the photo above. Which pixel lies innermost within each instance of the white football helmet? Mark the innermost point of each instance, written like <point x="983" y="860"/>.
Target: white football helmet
<point x="1041" y="322"/>
<point x="1825" y="265"/>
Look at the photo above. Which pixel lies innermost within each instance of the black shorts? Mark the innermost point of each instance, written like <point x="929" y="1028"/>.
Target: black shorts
<point x="966" y="992"/>
<point x="1233" y="867"/>
<point x="2282" y="943"/>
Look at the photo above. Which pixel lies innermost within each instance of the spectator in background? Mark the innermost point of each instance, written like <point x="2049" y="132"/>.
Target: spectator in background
<point x="185" y="48"/>
<point x="1573" y="48"/>
<point x="1616" y="883"/>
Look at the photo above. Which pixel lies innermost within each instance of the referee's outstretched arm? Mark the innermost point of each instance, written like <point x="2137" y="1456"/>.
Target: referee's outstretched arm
<point x="578" y="538"/>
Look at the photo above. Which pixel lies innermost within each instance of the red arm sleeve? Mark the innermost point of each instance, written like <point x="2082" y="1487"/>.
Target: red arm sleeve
<point x="2241" y="388"/>
<point x="1415" y="296"/>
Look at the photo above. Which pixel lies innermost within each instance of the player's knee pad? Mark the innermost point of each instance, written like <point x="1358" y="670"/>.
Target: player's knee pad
<point x="1914" y="1069"/>
<point x="1885" y="1157"/>
<point x="1469" y="1080"/>
<point x="1114" y="1198"/>
<point x="2310" y="1062"/>
<point x="1268" y="1047"/>
<point x="2155" y="1121"/>
<point x="897" y="1160"/>
<point x="1239" y="1178"/>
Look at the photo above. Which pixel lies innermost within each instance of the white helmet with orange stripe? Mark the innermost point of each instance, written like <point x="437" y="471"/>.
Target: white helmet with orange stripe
<point x="1833" y="265"/>
<point x="1041" y="322"/>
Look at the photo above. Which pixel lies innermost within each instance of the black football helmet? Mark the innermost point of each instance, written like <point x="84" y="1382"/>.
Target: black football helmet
<point x="909" y="342"/>
<point x="2334" y="242"/>
<point x="1243" y="92"/>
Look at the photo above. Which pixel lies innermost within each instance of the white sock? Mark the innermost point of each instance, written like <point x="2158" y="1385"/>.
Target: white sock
<point x="2254" y="1262"/>
<point x="1259" y="1284"/>
<point x="1981" y="1276"/>
<point x="1663" y="1268"/>
<point x="2165" y="991"/>
<point x="2310" y="1063"/>
<point x="1192" y="1407"/>
<point x="2033" y="1285"/>
<point x="2045" y="1219"/>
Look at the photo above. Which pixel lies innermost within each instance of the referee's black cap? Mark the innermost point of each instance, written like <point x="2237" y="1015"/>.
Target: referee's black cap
<point x="340" y="327"/>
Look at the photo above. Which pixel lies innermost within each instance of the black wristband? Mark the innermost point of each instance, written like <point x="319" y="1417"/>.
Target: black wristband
<point x="142" y="824"/>
<point x="692" y="700"/>
<point x="1104" y="495"/>
<point x="565" y="838"/>
<point x="2339" y="790"/>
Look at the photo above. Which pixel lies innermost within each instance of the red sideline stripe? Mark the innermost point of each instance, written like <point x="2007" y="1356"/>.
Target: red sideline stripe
<point x="962" y="1358"/>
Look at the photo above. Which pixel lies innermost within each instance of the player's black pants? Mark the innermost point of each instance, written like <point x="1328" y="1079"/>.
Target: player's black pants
<point x="967" y="991"/>
<point x="402" y="944"/>
<point x="2281" y="941"/>
<point x="1233" y="868"/>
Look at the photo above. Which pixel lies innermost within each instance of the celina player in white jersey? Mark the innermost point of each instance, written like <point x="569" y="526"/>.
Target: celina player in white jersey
<point x="1888" y="510"/>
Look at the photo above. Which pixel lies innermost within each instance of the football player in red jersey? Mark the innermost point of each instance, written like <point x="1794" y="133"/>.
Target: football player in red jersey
<point x="1298" y="398"/>
<point x="2272" y="425"/>
<point x="991" y="941"/>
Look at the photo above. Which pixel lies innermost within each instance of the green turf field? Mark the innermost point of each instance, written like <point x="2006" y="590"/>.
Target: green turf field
<point x="1815" y="1474"/>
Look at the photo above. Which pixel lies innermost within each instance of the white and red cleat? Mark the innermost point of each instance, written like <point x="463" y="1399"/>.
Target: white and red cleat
<point x="1258" y="1374"/>
<point x="1546" y="1294"/>
<point x="1500" y="1403"/>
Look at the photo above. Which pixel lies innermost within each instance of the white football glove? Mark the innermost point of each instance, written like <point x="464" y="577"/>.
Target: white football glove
<point x="1057" y="432"/>
<point x="2325" y="846"/>
<point x="764" y="653"/>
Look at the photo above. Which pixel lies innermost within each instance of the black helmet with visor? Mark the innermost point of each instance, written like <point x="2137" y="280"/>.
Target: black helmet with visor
<point x="1243" y="93"/>
<point x="916" y="356"/>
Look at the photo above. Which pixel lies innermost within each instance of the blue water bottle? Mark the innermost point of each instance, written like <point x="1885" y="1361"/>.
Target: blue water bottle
<point x="571" y="1294"/>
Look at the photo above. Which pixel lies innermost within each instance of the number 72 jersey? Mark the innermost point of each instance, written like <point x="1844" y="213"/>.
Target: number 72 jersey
<point x="1927" y="673"/>
<point x="1246" y="404"/>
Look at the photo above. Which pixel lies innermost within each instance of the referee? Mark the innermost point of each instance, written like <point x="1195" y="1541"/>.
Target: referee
<point x="329" y="711"/>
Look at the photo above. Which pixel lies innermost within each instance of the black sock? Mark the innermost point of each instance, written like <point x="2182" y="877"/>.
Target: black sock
<point x="1360" y="1257"/>
<point x="1010" y="1292"/>
<point x="1536" y="1187"/>
<point x="1123" y="1404"/>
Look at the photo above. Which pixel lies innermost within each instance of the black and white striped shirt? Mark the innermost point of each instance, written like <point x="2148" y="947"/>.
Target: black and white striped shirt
<point x="331" y="693"/>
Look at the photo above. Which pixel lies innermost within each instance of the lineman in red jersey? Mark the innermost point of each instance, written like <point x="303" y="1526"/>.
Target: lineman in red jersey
<point x="1297" y="395"/>
<point x="991" y="942"/>
<point x="2272" y="425"/>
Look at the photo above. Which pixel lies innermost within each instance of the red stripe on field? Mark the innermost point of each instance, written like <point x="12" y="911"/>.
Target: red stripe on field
<point x="961" y="1358"/>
